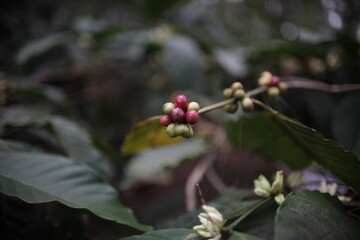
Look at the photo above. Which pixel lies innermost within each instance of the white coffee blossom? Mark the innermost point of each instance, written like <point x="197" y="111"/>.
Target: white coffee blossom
<point x="280" y="198"/>
<point x="211" y="223"/>
<point x="332" y="189"/>
<point x="263" y="188"/>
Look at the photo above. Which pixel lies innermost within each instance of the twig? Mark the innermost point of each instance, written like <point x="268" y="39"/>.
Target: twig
<point x="216" y="105"/>
<point x="215" y="180"/>
<point x="195" y="177"/>
<point x="292" y="82"/>
<point x="300" y="82"/>
<point x="247" y="213"/>
<point x="263" y="105"/>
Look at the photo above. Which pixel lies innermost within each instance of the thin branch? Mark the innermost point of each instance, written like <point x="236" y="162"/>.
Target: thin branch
<point x="215" y="180"/>
<point x="247" y="213"/>
<point x="300" y="82"/>
<point x="256" y="91"/>
<point x="195" y="177"/>
<point x="292" y="82"/>
<point x="216" y="105"/>
<point x="263" y="105"/>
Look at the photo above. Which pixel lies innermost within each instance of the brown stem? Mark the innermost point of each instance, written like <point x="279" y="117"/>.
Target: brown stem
<point x="216" y="105"/>
<point x="300" y="82"/>
<point x="292" y="82"/>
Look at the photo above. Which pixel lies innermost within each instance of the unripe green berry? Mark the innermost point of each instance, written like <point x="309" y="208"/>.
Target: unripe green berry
<point x="189" y="133"/>
<point x="181" y="129"/>
<point x="266" y="74"/>
<point x="264" y="81"/>
<point x="247" y="104"/>
<point x="239" y="94"/>
<point x="236" y="85"/>
<point x="228" y="93"/>
<point x="171" y="130"/>
<point x="283" y="86"/>
<point x="273" y="92"/>
<point x="193" y="106"/>
<point x="231" y="108"/>
<point x="167" y="107"/>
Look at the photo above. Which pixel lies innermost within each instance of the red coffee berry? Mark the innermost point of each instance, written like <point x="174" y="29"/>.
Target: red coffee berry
<point x="274" y="81"/>
<point x="192" y="116"/>
<point x="177" y="115"/>
<point x="165" y="120"/>
<point x="181" y="102"/>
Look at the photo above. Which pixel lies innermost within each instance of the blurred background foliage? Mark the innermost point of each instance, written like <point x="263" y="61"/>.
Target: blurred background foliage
<point x="109" y="64"/>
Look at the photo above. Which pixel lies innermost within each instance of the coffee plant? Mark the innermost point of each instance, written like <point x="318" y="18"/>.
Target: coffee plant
<point x="180" y="120"/>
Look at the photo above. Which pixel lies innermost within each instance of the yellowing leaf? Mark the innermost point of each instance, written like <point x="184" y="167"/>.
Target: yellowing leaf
<point x="147" y="134"/>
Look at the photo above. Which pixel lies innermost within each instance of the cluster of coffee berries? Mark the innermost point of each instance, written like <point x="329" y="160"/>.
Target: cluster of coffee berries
<point x="275" y="86"/>
<point x="237" y="92"/>
<point x="179" y="116"/>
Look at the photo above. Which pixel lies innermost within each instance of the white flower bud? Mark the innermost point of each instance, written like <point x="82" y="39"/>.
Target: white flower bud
<point x="212" y="221"/>
<point x="278" y="183"/>
<point x="262" y="186"/>
<point x="332" y="189"/>
<point x="279" y="198"/>
<point x="294" y="179"/>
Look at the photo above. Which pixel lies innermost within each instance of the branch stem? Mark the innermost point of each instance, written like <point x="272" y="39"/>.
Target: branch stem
<point x="247" y="213"/>
<point x="292" y="82"/>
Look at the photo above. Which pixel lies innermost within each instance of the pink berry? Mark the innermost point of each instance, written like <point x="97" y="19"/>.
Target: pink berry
<point x="165" y="120"/>
<point x="177" y="115"/>
<point x="192" y="116"/>
<point x="274" y="82"/>
<point x="181" y="102"/>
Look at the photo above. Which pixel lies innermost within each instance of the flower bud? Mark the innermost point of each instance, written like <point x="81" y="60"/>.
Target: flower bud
<point x="279" y="198"/>
<point x="294" y="179"/>
<point x="262" y="187"/>
<point x="278" y="183"/>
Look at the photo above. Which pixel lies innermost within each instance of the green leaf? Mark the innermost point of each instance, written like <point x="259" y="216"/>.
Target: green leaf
<point x="290" y="141"/>
<point x="77" y="143"/>
<point x="184" y="63"/>
<point x="41" y="46"/>
<point x="151" y="162"/>
<point x="167" y="234"/>
<point x="345" y="123"/>
<point x="243" y="236"/>
<point x="147" y="134"/>
<point x="314" y="215"/>
<point x="11" y="145"/>
<point x="260" y="133"/>
<point x="21" y="116"/>
<point x="39" y="178"/>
